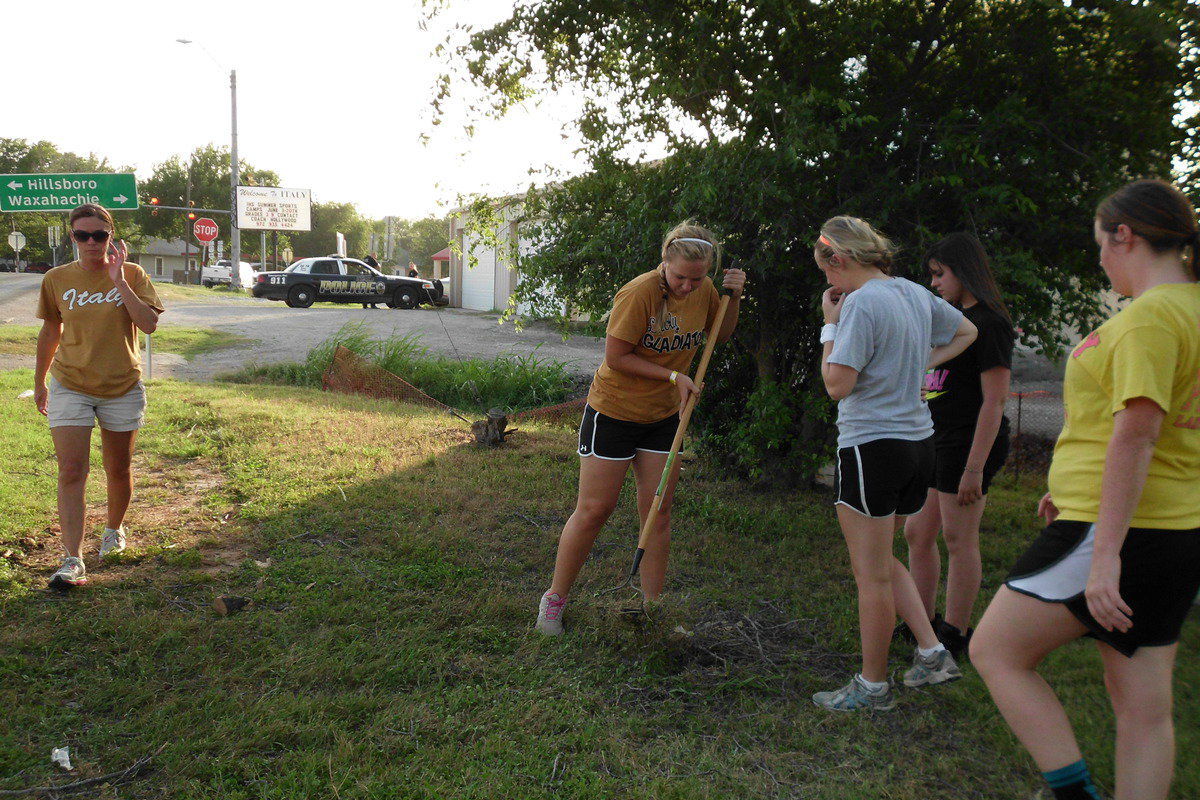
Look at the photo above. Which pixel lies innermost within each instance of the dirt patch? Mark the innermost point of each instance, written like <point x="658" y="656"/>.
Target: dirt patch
<point x="171" y="525"/>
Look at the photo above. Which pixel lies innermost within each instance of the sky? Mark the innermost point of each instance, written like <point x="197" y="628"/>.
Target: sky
<point x="334" y="100"/>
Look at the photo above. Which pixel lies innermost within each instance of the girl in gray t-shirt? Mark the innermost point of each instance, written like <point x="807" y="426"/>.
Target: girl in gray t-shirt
<point x="881" y="335"/>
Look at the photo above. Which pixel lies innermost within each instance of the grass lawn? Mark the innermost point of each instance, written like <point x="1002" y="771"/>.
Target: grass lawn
<point x="225" y="294"/>
<point x="187" y="342"/>
<point x="395" y="569"/>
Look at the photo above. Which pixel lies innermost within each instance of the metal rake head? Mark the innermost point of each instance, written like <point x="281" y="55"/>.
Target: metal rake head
<point x="636" y="598"/>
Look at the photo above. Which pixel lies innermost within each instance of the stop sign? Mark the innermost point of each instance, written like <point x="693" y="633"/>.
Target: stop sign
<point x="205" y="229"/>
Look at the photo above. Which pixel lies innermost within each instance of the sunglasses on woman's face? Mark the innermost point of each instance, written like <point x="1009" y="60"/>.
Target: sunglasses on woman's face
<point x="83" y="236"/>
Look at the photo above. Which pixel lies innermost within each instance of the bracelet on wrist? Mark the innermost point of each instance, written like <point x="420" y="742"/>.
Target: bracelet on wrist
<point x="828" y="332"/>
<point x="672" y="377"/>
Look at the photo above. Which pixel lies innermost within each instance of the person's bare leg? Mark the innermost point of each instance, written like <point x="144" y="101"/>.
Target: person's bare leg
<point x="599" y="487"/>
<point x="1016" y="633"/>
<point x="1140" y="689"/>
<point x="72" y="448"/>
<point x="909" y="606"/>
<point x="648" y="469"/>
<point x="116" y="451"/>
<point x="964" y="568"/>
<point x="924" y="558"/>
<point x="870" y="543"/>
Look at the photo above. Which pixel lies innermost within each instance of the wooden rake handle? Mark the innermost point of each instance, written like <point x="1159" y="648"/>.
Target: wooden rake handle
<point x="684" y="419"/>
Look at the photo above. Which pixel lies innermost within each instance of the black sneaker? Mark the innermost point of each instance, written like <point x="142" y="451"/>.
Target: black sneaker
<point x="902" y="631"/>
<point x="955" y="640"/>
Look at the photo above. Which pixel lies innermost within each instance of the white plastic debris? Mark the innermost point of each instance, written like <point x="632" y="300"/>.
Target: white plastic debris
<point x="62" y="757"/>
<point x="24" y="394"/>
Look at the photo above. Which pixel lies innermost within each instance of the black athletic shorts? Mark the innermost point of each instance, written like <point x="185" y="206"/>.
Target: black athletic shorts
<point x="950" y="459"/>
<point x="1160" y="575"/>
<point x="617" y="440"/>
<point x="884" y="477"/>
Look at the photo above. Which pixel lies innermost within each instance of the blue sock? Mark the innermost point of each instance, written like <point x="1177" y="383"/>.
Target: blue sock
<point x="1072" y="782"/>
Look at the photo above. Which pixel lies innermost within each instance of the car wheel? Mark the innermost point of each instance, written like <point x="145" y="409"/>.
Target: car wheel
<point x="301" y="296"/>
<point x="206" y="284"/>
<point x="405" y="297"/>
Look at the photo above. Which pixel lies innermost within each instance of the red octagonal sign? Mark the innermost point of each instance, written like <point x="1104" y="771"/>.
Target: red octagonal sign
<point x="205" y="229"/>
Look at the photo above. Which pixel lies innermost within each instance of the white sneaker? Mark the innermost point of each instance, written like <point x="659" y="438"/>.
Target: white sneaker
<point x="931" y="670"/>
<point x="113" y="541"/>
<point x="549" y="620"/>
<point x="71" y="573"/>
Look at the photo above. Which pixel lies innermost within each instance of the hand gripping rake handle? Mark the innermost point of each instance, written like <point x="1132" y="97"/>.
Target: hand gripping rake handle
<point x="684" y="419"/>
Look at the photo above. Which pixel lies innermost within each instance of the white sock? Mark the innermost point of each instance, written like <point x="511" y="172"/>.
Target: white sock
<point x="872" y="686"/>
<point x="113" y="530"/>
<point x="927" y="653"/>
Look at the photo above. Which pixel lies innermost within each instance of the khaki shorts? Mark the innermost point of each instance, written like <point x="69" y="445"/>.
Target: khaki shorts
<point x="68" y="407"/>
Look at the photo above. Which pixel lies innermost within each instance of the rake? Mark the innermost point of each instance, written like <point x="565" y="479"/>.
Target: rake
<point x="631" y="582"/>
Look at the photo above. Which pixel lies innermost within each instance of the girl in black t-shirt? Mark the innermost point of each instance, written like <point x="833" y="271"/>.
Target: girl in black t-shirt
<point x="966" y="400"/>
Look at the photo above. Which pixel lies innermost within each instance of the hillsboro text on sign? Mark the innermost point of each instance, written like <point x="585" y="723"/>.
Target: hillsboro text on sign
<point x="270" y="208"/>
<point x="61" y="192"/>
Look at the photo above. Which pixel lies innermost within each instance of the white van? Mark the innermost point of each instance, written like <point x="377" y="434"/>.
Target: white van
<point x="219" y="272"/>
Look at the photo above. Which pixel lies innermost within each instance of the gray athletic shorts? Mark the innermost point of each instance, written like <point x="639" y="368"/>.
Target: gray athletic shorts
<point x="68" y="407"/>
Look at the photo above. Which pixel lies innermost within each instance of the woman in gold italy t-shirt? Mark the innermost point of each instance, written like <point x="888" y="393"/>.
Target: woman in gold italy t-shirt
<point x="92" y="310"/>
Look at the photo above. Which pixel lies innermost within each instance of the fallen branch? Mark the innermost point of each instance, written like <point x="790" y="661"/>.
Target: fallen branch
<point x="115" y="778"/>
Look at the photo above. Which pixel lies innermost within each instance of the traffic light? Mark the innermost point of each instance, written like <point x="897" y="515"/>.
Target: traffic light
<point x="154" y="202"/>
<point x="191" y="215"/>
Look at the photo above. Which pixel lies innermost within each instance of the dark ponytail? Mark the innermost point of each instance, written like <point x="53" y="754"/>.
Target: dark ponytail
<point x="964" y="255"/>
<point x="1156" y="211"/>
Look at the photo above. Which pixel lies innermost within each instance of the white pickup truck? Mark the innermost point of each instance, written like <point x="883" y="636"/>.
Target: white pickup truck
<point x="220" y="272"/>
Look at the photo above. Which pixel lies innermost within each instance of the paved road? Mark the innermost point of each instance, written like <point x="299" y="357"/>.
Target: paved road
<point x="287" y="334"/>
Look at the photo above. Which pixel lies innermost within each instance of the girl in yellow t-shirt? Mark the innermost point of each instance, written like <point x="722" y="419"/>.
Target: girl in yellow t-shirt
<point x="1119" y="559"/>
<point x="91" y="310"/>
<point x="655" y="329"/>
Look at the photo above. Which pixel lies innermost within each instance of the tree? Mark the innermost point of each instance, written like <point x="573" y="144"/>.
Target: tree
<point x="207" y="172"/>
<point x="1009" y="119"/>
<point x="418" y="240"/>
<point x="329" y="219"/>
<point x="18" y="156"/>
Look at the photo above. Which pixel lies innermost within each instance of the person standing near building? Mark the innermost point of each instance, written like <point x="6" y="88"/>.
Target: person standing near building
<point x="91" y="312"/>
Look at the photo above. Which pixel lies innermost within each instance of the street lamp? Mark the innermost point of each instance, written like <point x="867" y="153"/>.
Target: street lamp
<point x="235" y="233"/>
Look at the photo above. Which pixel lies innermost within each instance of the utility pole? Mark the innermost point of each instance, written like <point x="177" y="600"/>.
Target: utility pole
<point x="235" y="236"/>
<point x="187" y="241"/>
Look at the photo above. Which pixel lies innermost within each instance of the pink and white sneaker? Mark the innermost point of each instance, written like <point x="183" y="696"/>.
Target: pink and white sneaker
<point x="549" y="620"/>
<point x="113" y="541"/>
<point x="70" y="574"/>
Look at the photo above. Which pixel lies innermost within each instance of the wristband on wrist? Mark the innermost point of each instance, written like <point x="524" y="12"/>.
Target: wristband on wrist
<point x="828" y="332"/>
<point x="673" y="376"/>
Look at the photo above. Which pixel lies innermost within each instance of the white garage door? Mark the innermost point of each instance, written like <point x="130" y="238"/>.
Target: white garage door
<point x="479" y="283"/>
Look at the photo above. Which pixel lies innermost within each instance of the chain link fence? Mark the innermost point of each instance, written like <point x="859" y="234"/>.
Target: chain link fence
<point x="1035" y="418"/>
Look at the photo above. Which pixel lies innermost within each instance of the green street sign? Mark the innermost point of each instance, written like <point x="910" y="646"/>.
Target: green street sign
<point x="62" y="192"/>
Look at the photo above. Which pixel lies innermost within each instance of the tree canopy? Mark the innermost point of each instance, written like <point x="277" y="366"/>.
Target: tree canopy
<point x="207" y="172"/>
<point x="1007" y="118"/>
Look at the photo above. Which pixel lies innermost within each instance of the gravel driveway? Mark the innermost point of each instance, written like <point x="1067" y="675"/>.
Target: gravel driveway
<point x="287" y="334"/>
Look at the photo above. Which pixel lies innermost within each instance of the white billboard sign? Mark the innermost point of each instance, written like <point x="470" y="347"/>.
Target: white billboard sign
<point x="270" y="208"/>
